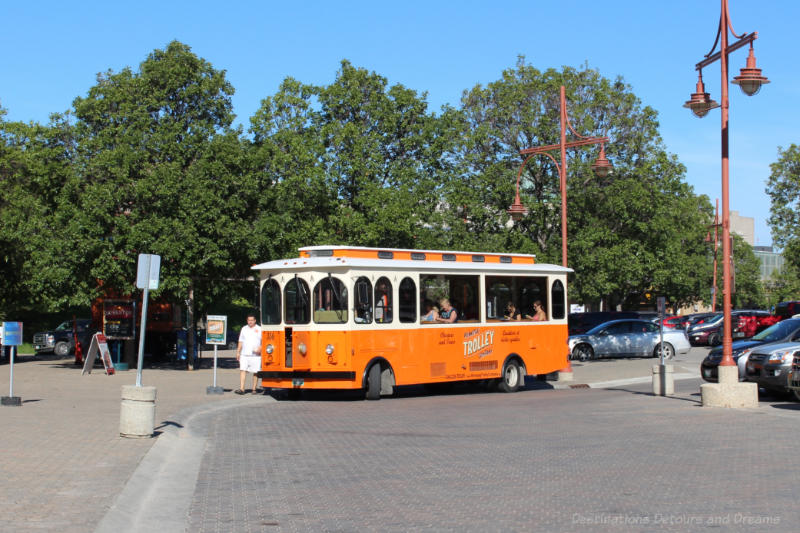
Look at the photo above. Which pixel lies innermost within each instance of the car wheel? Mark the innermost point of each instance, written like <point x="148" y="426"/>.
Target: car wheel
<point x="232" y="345"/>
<point x="796" y="394"/>
<point x="510" y="380"/>
<point x="669" y="351"/>
<point x="582" y="352"/>
<point x="714" y="340"/>
<point x="61" y="349"/>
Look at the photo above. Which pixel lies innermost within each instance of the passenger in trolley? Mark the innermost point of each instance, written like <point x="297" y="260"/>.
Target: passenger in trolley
<point x="447" y="313"/>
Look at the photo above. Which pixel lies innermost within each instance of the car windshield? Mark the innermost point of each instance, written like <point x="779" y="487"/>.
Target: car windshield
<point x="777" y="331"/>
<point x="65" y="326"/>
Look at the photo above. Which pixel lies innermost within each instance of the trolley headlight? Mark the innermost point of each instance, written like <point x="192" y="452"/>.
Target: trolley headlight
<point x="302" y="348"/>
<point x="329" y="349"/>
<point x="270" y="348"/>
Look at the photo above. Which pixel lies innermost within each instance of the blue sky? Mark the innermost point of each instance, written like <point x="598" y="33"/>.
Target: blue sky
<point x="52" y="52"/>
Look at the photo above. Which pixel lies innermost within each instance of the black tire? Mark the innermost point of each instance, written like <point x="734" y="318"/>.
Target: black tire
<point x="61" y="349"/>
<point x="582" y="352"/>
<point x="511" y="378"/>
<point x="232" y="345"/>
<point x="374" y="382"/>
<point x="714" y="340"/>
<point x="293" y="394"/>
<point x="669" y="351"/>
<point x="796" y="395"/>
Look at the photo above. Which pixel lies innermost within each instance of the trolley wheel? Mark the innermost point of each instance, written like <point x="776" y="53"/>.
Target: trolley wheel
<point x="293" y="394"/>
<point x="374" y="382"/>
<point x="511" y="378"/>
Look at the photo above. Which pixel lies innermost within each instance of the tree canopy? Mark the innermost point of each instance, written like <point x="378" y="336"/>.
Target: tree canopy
<point x="149" y="161"/>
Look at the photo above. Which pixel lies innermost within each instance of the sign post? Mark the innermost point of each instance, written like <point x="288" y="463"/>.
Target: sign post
<point x="138" y="411"/>
<point x="11" y="336"/>
<point x="216" y="334"/>
<point x="146" y="278"/>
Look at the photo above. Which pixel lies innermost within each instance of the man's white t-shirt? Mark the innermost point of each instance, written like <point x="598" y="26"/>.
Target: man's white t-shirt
<point x="251" y="340"/>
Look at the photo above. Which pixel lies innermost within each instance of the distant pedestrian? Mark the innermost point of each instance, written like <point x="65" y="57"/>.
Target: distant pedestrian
<point x="248" y="353"/>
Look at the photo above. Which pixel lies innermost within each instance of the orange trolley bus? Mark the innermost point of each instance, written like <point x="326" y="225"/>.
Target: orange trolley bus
<point x="345" y="317"/>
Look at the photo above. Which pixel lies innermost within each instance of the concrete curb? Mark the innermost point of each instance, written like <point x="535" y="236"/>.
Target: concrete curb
<point x="622" y="382"/>
<point x="158" y="494"/>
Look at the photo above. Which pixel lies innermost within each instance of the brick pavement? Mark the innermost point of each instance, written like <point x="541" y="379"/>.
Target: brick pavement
<point x="540" y="460"/>
<point x="61" y="455"/>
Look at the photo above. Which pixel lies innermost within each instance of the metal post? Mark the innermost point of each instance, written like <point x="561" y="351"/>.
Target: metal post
<point x="563" y="177"/>
<point x="215" y="366"/>
<point x="727" y="349"/>
<point x="141" y="337"/>
<point x="11" y="372"/>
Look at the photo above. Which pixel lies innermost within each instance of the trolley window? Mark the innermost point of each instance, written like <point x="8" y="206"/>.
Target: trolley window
<point x="408" y="301"/>
<point x="558" y="299"/>
<point x="383" y="301"/>
<point x="271" y="302"/>
<point x="461" y="291"/>
<point x="297" y="302"/>
<point x="363" y="301"/>
<point x="330" y="301"/>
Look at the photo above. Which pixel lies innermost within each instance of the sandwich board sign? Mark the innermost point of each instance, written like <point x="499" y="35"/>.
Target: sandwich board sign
<point x="99" y="347"/>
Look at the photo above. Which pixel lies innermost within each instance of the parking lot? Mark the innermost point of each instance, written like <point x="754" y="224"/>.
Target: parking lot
<point x="603" y="456"/>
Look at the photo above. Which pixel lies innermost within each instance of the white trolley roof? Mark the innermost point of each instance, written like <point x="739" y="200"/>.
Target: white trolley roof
<point x="328" y="258"/>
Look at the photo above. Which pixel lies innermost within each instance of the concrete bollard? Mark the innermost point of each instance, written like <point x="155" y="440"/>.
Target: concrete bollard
<point x="663" y="380"/>
<point x="138" y="412"/>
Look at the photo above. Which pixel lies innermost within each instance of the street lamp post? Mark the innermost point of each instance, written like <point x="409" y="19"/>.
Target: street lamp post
<point x="716" y="226"/>
<point x="750" y="81"/>
<point x="602" y="167"/>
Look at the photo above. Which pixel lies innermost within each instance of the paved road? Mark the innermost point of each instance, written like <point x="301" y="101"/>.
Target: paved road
<point x="545" y="459"/>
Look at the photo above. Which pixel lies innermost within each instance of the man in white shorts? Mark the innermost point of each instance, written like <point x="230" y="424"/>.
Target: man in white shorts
<point x="249" y="353"/>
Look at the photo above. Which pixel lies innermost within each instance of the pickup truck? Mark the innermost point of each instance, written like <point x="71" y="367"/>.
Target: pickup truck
<point x="59" y="341"/>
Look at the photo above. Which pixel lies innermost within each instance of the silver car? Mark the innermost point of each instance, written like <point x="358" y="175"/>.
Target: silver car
<point x="769" y="366"/>
<point x="627" y="338"/>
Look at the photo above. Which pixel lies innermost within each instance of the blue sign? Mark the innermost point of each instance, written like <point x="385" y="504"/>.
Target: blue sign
<point x="12" y="333"/>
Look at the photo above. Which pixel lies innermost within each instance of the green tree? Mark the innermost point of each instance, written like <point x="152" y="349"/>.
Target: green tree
<point x="355" y="162"/>
<point x="159" y="170"/>
<point x="35" y="163"/>
<point x="638" y="230"/>
<point x="783" y="188"/>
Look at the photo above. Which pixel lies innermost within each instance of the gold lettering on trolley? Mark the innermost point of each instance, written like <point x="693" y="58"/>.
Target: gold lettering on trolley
<point x="447" y="338"/>
<point x="509" y="335"/>
<point x="483" y="340"/>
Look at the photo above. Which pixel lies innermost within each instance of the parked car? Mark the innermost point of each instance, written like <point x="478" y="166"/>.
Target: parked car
<point x="706" y="332"/>
<point x="694" y="318"/>
<point x="578" y="323"/>
<point x="769" y="366"/>
<point x="745" y="323"/>
<point x="787" y="309"/>
<point x="627" y="338"/>
<point x="673" y="322"/>
<point x="794" y="377"/>
<point x="784" y="331"/>
<point x="59" y="341"/>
